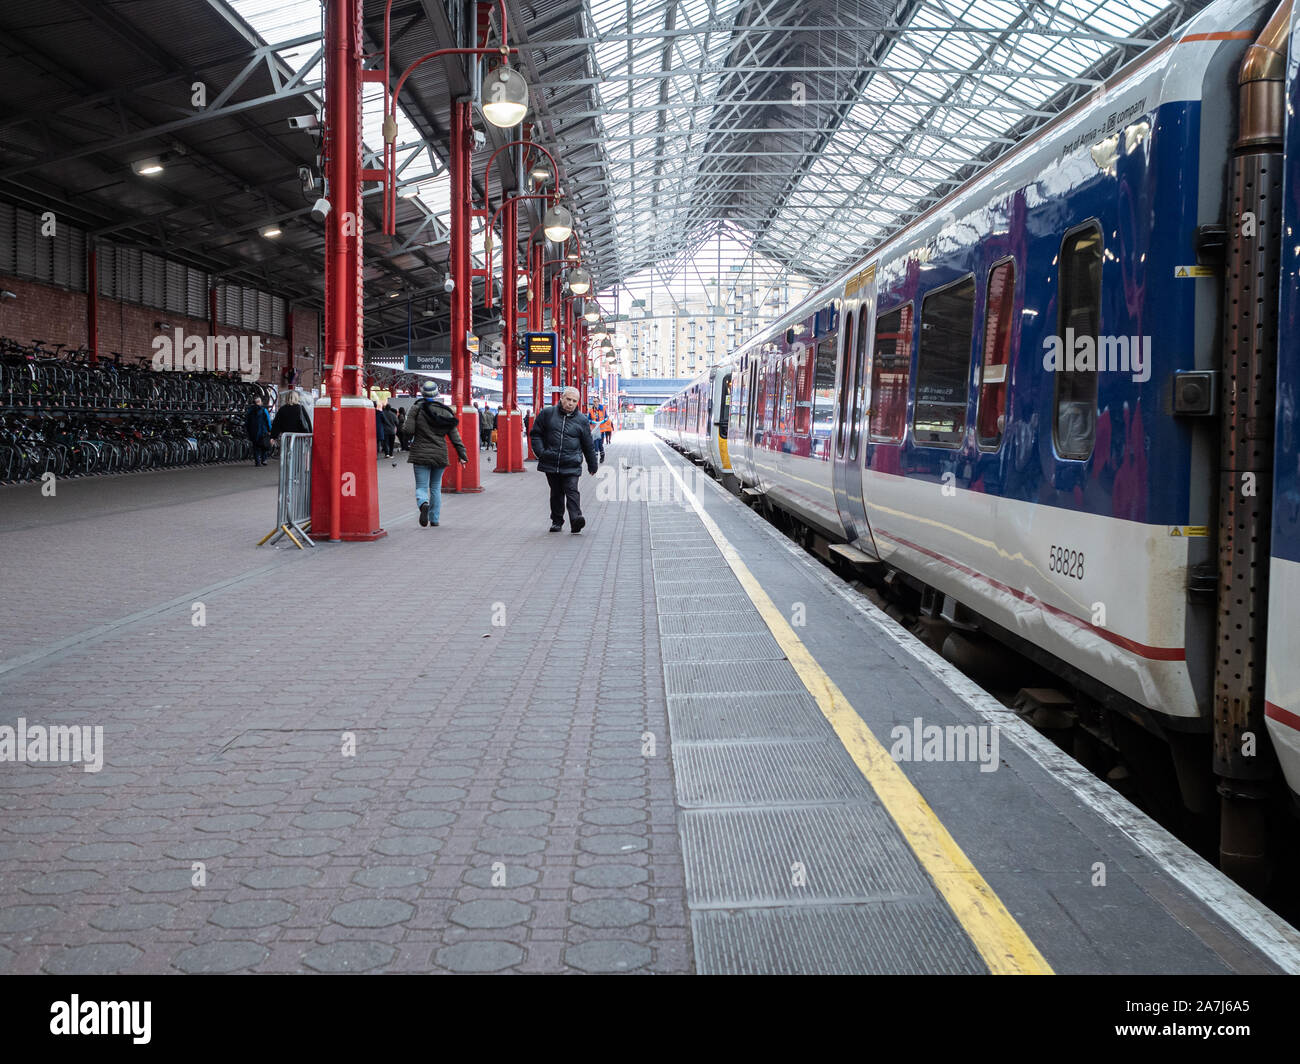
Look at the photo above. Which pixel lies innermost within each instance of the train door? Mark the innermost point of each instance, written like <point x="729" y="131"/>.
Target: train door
<point x="751" y="428"/>
<point x="721" y="417"/>
<point x="849" y="451"/>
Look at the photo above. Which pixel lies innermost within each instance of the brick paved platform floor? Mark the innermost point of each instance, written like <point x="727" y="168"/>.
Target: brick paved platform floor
<point x="499" y="811"/>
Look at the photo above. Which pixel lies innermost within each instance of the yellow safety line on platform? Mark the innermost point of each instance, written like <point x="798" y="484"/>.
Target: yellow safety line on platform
<point x="993" y="931"/>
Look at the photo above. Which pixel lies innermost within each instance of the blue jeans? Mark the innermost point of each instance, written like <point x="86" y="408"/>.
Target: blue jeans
<point x="428" y="482"/>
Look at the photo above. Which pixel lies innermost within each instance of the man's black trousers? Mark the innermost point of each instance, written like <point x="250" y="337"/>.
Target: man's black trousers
<point x="564" y="488"/>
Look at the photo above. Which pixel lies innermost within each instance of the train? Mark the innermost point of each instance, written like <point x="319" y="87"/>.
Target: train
<point x="1056" y="413"/>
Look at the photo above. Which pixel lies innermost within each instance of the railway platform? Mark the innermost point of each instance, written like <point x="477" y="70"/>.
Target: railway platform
<point x="671" y="744"/>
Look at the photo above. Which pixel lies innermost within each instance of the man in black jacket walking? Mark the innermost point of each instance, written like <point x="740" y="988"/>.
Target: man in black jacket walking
<point x="561" y="439"/>
<point x="429" y="426"/>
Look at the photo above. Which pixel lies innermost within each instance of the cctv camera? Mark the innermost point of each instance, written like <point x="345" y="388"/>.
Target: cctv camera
<point x="449" y="283"/>
<point x="307" y="176"/>
<point x="480" y="138"/>
<point x="311" y="121"/>
<point x="320" y="209"/>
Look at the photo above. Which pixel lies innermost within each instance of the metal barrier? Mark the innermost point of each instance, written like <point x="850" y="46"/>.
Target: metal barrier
<point x="293" y="505"/>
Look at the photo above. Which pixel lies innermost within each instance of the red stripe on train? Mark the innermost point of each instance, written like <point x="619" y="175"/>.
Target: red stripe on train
<point x="1131" y="645"/>
<point x="1282" y="716"/>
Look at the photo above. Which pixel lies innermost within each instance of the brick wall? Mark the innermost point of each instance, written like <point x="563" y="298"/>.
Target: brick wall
<point x="42" y="312"/>
<point x="56" y="315"/>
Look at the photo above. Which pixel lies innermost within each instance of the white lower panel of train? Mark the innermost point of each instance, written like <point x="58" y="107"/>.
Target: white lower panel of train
<point x="1282" y="688"/>
<point x="1102" y="594"/>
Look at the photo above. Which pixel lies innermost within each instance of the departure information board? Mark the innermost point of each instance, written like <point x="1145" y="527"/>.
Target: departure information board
<point x="540" y="348"/>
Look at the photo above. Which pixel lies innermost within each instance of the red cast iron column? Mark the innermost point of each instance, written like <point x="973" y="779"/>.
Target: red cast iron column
<point x="344" y="488"/>
<point x="466" y="477"/>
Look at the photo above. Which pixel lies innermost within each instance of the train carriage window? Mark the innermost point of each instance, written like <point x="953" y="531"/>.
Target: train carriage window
<point x="771" y="394"/>
<point x="789" y="369"/>
<point x="999" y="305"/>
<point x="803" y="388"/>
<point x="823" y="411"/>
<point x="860" y="387"/>
<point x="890" y="364"/>
<point x="943" y="364"/>
<point x="1074" y="428"/>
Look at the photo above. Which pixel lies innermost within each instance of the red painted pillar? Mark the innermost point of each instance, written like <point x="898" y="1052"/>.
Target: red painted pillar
<point x="534" y="325"/>
<point x="570" y="376"/>
<point x="287" y="372"/>
<point x="92" y="303"/>
<point x="509" y="421"/>
<point x="557" y="327"/>
<point x="580" y="354"/>
<point x="461" y="477"/>
<point x="345" y="493"/>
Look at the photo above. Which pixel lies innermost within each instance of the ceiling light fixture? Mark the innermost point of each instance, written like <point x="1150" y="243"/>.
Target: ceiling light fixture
<point x="579" y="281"/>
<point x="557" y="223"/>
<point x="505" y="97"/>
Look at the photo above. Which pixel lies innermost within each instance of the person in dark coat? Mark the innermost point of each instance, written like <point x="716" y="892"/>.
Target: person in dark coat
<point x="379" y="428"/>
<point x="257" y="426"/>
<point x="291" y="417"/>
<point x="561" y="439"/>
<point x="390" y="429"/>
<point x="401" y="418"/>
<point x="428" y="427"/>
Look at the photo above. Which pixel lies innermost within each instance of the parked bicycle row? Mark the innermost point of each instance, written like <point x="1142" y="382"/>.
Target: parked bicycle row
<point x="77" y="445"/>
<point x="38" y="375"/>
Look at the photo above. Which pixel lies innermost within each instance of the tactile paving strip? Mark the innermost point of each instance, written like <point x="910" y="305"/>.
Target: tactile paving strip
<point x="685" y="584"/>
<point x="883" y="938"/>
<point x="720" y="623"/>
<point x="713" y="718"/>
<point x="758" y="646"/>
<point x="730" y="677"/>
<point x="798" y="856"/>
<point x="688" y="554"/>
<point x="711" y="601"/>
<point x="768" y="773"/>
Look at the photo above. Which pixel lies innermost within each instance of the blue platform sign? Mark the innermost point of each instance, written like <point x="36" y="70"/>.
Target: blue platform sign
<point x="540" y="348"/>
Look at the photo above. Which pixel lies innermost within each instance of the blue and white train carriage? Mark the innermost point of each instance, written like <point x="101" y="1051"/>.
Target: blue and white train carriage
<point x="1033" y="403"/>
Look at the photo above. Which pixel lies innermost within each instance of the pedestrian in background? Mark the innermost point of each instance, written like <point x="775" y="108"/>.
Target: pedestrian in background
<point x="428" y="427"/>
<point x="379" y="428"/>
<point x="593" y="421"/>
<point x="561" y="439"/>
<point x="401" y="419"/>
<point x="390" y="430"/>
<point x="257" y="426"/>
<point x="291" y="417"/>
